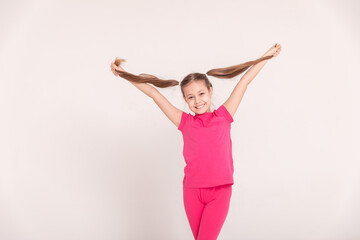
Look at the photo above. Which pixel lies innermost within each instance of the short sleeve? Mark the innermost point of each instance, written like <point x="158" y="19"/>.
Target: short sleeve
<point x="184" y="117"/>
<point x="225" y="113"/>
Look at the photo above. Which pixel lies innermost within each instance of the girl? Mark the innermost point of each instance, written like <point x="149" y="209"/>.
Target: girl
<point x="208" y="178"/>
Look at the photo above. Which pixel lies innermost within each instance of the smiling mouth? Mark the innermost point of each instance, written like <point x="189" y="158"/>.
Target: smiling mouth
<point x="201" y="106"/>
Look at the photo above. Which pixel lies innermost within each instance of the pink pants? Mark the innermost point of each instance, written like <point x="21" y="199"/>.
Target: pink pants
<point x="206" y="210"/>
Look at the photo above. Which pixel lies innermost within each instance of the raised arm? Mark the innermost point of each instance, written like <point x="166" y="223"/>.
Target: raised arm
<point x="233" y="102"/>
<point x="173" y="113"/>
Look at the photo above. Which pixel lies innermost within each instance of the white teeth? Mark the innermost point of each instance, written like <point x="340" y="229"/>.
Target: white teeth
<point x="200" y="106"/>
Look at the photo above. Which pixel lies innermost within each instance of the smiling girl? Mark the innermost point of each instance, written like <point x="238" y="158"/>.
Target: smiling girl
<point x="208" y="174"/>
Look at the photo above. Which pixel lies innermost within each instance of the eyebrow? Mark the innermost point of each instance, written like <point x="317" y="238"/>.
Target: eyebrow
<point x="191" y="93"/>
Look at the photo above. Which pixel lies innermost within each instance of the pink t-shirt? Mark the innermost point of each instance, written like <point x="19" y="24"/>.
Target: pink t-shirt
<point x="207" y="148"/>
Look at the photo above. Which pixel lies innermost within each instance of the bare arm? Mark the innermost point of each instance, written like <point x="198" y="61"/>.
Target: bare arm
<point x="173" y="113"/>
<point x="253" y="71"/>
<point x="233" y="102"/>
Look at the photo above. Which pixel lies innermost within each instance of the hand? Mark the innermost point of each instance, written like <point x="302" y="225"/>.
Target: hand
<point x="274" y="50"/>
<point x="116" y="66"/>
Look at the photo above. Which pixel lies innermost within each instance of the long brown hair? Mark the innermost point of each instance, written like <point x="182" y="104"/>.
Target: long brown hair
<point x="227" y="72"/>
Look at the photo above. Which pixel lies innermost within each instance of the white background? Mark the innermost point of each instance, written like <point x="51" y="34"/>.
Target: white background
<point x="86" y="155"/>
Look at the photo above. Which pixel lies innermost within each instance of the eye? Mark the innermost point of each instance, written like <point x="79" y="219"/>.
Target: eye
<point x="202" y="93"/>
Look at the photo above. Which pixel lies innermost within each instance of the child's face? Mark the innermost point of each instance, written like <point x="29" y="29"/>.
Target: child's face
<point x="196" y="95"/>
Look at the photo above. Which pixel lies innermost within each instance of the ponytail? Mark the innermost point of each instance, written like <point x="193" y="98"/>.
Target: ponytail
<point x="233" y="71"/>
<point x="144" y="78"/>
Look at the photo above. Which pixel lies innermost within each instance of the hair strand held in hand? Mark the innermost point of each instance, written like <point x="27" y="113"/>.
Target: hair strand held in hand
<point x="233" y="71"/>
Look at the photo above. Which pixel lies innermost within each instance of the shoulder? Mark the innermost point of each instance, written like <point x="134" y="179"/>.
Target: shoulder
<point x="222" y="111"/>
<point x="185" y="117"/>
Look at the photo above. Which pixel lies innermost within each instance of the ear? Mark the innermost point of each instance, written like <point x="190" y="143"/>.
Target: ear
<point x="211" y="91"/>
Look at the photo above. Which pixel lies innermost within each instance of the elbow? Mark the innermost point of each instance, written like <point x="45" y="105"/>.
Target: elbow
<point x="244" y="82"/>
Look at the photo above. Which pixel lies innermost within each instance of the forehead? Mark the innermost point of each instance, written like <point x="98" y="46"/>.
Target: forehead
<point x="194" y="87"/>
